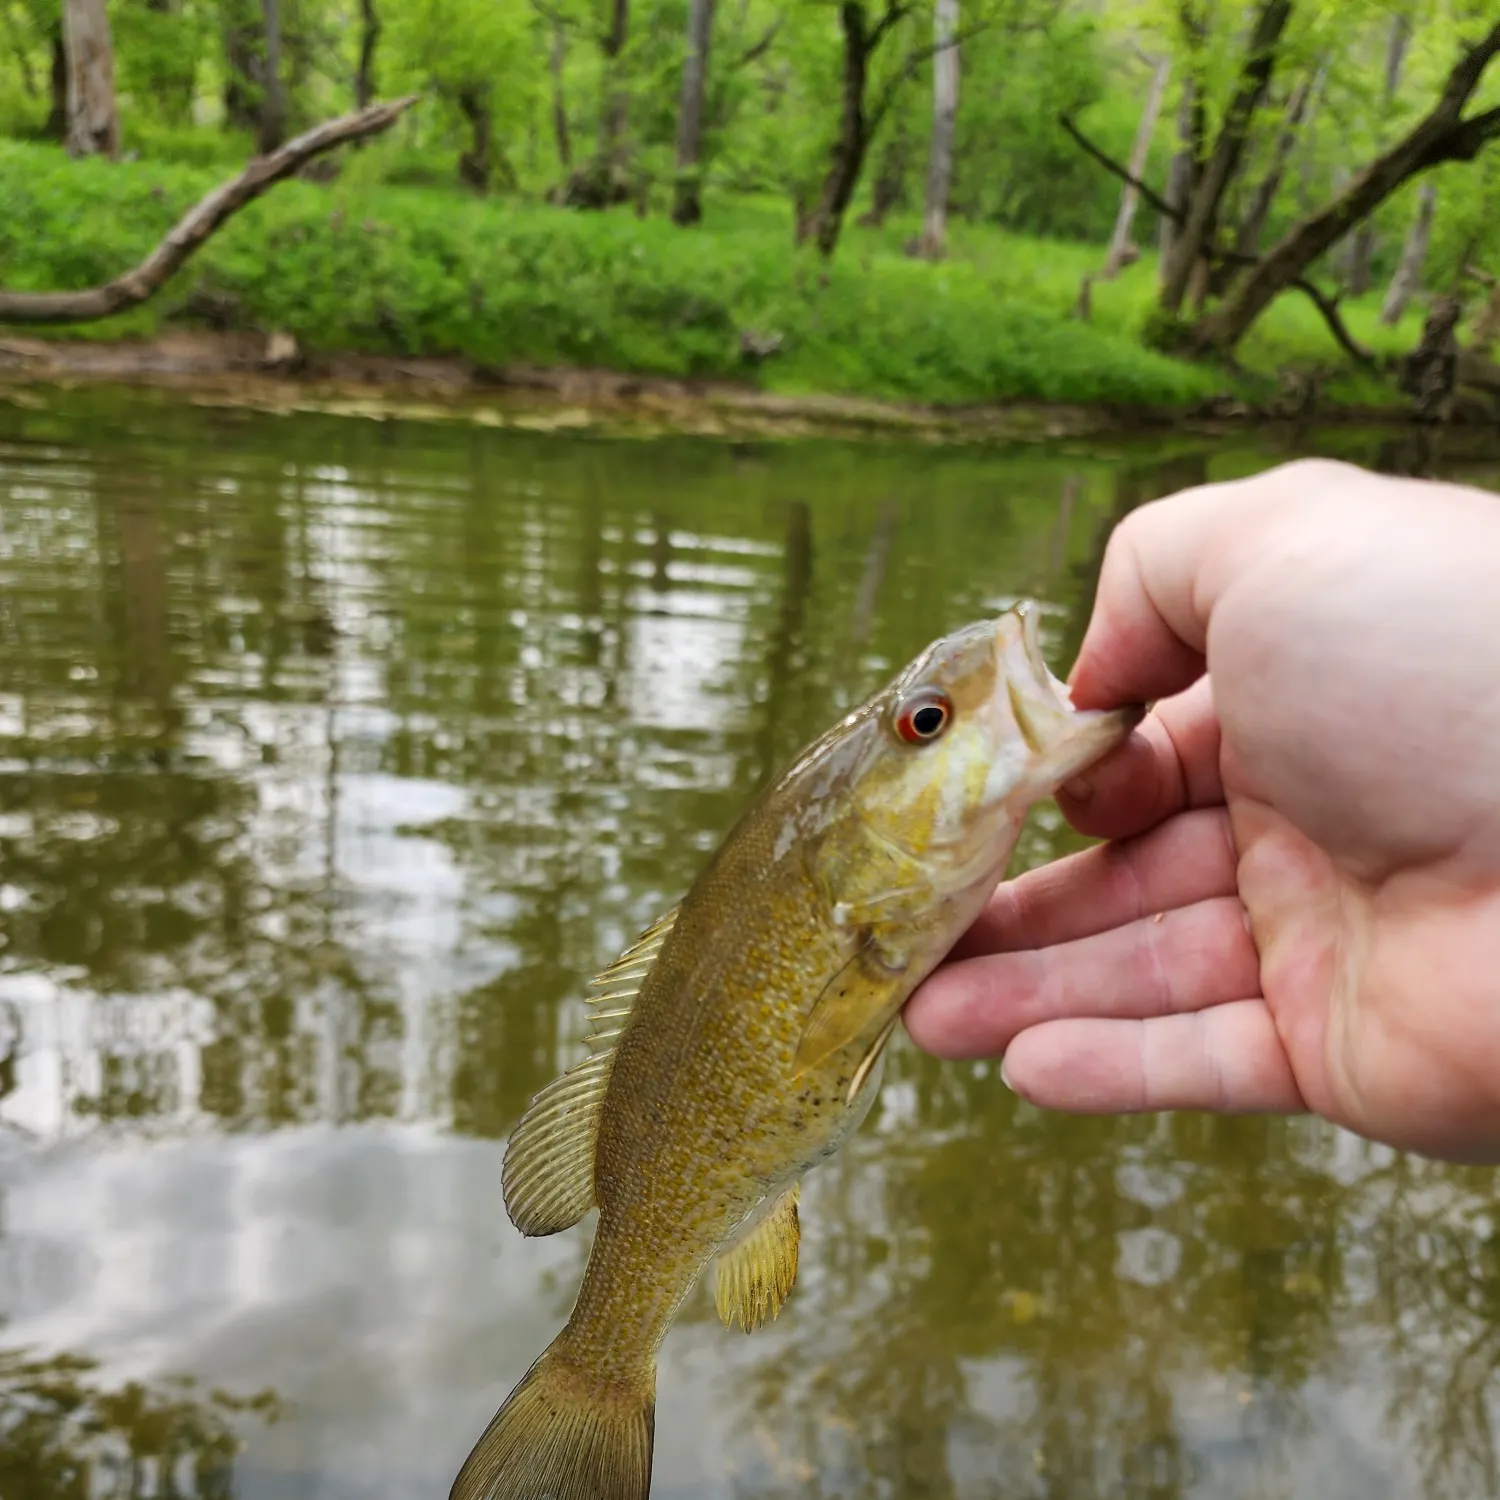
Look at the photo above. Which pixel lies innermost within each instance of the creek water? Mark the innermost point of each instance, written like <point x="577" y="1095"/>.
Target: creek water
<point x="335" y="755"/>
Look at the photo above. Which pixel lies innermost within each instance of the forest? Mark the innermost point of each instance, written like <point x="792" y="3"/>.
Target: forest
<point x="1141" y="202"/>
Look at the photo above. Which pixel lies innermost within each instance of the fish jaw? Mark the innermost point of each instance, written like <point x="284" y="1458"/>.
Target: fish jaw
<point x="1042" y="739"/>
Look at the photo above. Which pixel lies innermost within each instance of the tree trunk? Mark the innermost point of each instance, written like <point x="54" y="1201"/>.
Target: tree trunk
<point x="557" y="61"/>
<point x="475" y="104"/>
<point x="56" y="128"/>
<point x="272" y="128"/>
<point x="601" y="182"/>
<point x="1441" y="135"/>
<point x="1253" y="225"/>
<point x="1130" y="195"/>
<point x="1203" y="207"/>
<point x="687" y="202"/>
<point x="369" y="39"/>
<point x="1487" y="326"/>
<point x="933" y="242"/>
<point x="616" y="110"/>
<point x="1364" y="236"/>
<point x="243" y="64"/>
<point x="889" y="191"/>
<point x="92" y="126"/>
<point x="1408" y="275"/>
<point x="825" y="220"/>
<point x="1182" y="176"/>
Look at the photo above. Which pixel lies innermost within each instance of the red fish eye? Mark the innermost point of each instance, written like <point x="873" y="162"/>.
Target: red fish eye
<point x="923" y="717"/>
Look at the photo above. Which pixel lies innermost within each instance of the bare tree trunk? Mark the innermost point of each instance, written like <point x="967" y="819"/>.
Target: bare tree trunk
<point x="687" y="202"/>
<point x="1203" y="207"/>
<point x="1364" y="237"/>
<point x="92" y="124"/>
<point x="1408" y="275"/>
<point x="369" y="39"/>
<point x="1443" y="134"/>
<point x="1298" y="108"/>
<point x="272" y="129"/>
<point x="944" y="115"/>
<point x="1130" y="195"/>
<point x="56" y="128"/>
<point x="557" y="62"/>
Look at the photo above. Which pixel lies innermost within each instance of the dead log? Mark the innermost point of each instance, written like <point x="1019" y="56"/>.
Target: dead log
<point x="202" y="220"/>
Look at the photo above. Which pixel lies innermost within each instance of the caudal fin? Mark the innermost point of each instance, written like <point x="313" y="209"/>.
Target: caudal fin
<point x="558" y="1437"/>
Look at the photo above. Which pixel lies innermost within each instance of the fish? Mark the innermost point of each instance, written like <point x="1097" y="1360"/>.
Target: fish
<point x="741" y="1038"/>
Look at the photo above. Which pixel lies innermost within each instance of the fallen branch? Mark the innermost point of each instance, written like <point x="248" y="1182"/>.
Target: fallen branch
<point x="200" y="221"/>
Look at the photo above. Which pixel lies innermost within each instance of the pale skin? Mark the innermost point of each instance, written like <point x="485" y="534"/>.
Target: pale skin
<point x="1299" y="908"/>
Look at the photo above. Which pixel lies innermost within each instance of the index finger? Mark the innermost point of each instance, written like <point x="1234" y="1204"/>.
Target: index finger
<point x="1165" y="568"/>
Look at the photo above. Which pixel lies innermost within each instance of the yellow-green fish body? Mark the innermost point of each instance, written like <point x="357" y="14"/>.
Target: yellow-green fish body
<point x="740" y="1040"/>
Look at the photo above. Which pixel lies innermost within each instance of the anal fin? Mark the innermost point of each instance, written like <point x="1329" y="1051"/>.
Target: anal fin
<point x="754" y="1276"/>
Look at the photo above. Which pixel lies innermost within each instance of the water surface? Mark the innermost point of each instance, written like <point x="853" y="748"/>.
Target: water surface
<point x="335" y="755"/>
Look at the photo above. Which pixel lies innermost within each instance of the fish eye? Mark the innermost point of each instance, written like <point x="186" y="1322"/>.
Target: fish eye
<point x="923" y="716"/>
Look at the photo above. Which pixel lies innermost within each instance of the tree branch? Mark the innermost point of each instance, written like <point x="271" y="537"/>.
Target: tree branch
<point x="757" y="50"/>
<point x="1105" y="160"/>
<point x="1465" y="140"/>
<point x="895" y="13"/>
<point x="200" y="221"/>
<point x="1328" y="306"/>
<point x="914" y="60"/>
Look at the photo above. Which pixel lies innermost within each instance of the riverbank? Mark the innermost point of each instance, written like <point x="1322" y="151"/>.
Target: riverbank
<point x="361" y="270"/>
<point x="274" y="374"/>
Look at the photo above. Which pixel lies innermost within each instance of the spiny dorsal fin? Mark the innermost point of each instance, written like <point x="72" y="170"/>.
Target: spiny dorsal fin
<point x="754" y="1276"/>
<point x="548" y="1176"/>
<point x="635" y="962"/>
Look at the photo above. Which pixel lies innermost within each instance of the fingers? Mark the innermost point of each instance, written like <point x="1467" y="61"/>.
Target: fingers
<point x="1228" y="1059"/>
<point x="1187" y="859"/>
<point x="1171" y="762"/>
<point x="1165" y="568"/>
<point x="1201" y="955"/>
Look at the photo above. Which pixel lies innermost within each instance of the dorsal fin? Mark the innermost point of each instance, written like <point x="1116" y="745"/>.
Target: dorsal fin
<point x="548" y="1176"/>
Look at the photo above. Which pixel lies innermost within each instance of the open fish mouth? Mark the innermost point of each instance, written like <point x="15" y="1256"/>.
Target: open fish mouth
<point x="1060" y="738"/>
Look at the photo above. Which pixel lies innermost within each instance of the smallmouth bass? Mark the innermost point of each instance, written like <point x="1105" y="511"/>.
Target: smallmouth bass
<point x="741" y="1039"/>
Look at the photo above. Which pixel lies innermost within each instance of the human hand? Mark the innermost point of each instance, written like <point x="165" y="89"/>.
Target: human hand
<point x="1302" y="908"/>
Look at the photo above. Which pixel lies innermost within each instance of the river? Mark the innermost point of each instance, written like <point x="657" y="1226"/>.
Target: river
<point x="336" y="754"/>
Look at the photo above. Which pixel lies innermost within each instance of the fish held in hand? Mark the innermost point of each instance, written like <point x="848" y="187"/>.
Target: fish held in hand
<point x="741" y="1039"/>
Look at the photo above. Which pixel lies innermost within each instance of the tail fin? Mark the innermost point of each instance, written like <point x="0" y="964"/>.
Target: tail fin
<point x="559" y="1438"/>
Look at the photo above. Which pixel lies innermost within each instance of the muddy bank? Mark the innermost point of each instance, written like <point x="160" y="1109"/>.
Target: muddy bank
<point x="246" y="369"/>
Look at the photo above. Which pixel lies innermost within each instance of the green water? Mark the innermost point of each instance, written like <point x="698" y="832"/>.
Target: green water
<point x="336" y="754"/>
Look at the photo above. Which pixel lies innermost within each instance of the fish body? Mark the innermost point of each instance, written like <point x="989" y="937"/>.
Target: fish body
<point x="740" y="1041"/>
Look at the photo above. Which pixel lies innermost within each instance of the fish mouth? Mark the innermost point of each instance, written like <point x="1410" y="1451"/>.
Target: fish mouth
<point x="1061" y="739"/>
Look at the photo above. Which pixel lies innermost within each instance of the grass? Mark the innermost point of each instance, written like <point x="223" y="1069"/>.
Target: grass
<point x="363" y="265"/>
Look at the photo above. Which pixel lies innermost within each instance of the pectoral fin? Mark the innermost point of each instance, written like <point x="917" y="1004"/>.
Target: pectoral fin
<point x="857" y="998"/>
<point x="754" y="1276"/>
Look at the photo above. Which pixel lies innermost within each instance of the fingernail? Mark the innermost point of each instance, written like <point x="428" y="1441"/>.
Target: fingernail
<point x="1080" y="788"/>
<point x="1003" y="1079"/>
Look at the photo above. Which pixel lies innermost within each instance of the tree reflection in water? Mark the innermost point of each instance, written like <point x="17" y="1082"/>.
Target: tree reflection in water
<point x="66" y="1435"/>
